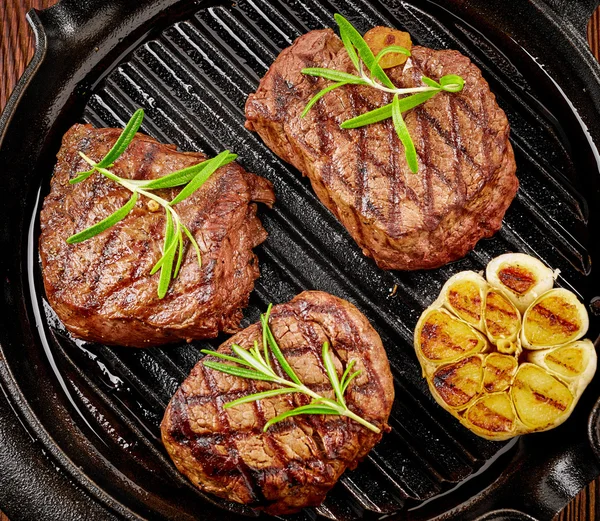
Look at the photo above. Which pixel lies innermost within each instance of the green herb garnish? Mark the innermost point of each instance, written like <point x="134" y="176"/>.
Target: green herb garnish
<point x="361" y="56"/>
<point x="193" y="177"/>
<point x="253" y="364"/>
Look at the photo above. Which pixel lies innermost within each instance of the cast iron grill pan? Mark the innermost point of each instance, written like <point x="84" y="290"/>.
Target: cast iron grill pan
<point x="192" y="79"/>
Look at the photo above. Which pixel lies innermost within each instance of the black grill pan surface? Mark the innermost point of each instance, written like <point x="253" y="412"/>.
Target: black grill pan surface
<point x="79" y="422"/>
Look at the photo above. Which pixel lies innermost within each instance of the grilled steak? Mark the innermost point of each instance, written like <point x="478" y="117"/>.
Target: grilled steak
<point x="101" y="288"/>
<point x="404" y="221"/>
<point x="296" y="462"/>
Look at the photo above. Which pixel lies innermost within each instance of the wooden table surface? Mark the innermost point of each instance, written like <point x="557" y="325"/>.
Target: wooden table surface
<point x="16" y="49"/>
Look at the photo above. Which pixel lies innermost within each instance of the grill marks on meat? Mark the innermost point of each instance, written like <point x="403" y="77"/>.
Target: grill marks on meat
<point x="296" y="462"/>
<point x="101" y="288"/>
<point x="466" y="177"/>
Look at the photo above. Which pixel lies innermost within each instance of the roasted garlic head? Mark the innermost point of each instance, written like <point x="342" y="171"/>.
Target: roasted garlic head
<point x="505" y="355"/>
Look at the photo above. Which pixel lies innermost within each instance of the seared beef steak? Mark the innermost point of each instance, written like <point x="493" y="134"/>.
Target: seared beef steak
<point x="404" y="221"/>
<point x="296" y="462"/>
<point x="101" y="288"/>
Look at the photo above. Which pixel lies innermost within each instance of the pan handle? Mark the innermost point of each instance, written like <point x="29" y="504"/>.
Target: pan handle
<point x="78" y="21"/>
<point x="578" y="12"/>
<point x="594" y="429"/>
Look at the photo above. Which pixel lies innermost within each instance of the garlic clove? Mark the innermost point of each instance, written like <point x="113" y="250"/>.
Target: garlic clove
<point x="440" y="337"/>
<point x="520" y="277"/>
<point x="464" y="295"/>
<point x="458" y="383"/>
<point x="540" y="399"/>
<point x="492" y="416"/>
<point x="502" y="322"/>
<point x="499" y="371"/>
<point x="574" y="363"/>
<point x="555" y="318"/>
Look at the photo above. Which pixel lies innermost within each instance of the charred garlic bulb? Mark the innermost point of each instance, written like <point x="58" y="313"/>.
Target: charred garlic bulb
<point x="505" y="355"/>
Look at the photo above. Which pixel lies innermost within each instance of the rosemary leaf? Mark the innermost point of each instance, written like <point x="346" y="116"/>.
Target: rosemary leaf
<point x="385" y="112"/>
<point x="199" y="179"/>
<point x="238" y="371"/>
<point x="349" y="379"/>
<point x="368" y="118"/>
<point x="166" y="269"/>
<point x="391" y="49"/>
<point x="82" y="176"/>
<point x="223" y="356"/>
<point x="169" y="230"/>
<point x="194" y="243"/>
<point x="166" y="243"/>
<point x="333" y="75"/>
<point x="104" y="224"/>
<point x="332" y="374"/>
<point x="243" y="354"/>
<point x="179" y="255"/>
<point x="364" y="51"/>
<point x="259" y="396"/>
<point x="256" y="353"/>
<point x="404" y="135"/>
<point x="347" y="372"/>
<point x="431" y="83"/>
<point x="277" y="351"/>
<point x="304" y="409"/>
<point x="183" y="176"/>
<point x="319" y="95"/>
<point x="452" y="83"/>
<point x="265" y="361"/>
<point x="265" y="326"/>
<point x="346" y="40"/>
<point x="124" y="140"/>
<point x="158" y="265"/>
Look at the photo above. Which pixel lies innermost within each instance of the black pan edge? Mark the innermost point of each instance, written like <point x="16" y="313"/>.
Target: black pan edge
<point x="39" y="481"/>
<point x="27" y="469"/>
<point x="24" y="489"/>
<point x="505" y="515"/>
<point x="578" y="12"/>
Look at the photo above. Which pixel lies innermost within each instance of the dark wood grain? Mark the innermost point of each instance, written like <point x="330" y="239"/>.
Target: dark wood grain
<point x="16" y="43"/>
<point x="16" y="49"/>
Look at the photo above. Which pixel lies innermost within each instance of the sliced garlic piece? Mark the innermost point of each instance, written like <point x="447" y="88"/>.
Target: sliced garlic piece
<point x="441" y="337"/>
<point x="555" y="318"/>
<point x="378" y="38"/>
<point x="464" y="294"/>
<point x="492" y="416"/>
<point x="499" y="371"/>
<point x="520" y="277"/>
<point x="458" y="383"/>
<point x="502" y="322"/>
<point x="541" y="400"/>
<point x="574" y="363"/>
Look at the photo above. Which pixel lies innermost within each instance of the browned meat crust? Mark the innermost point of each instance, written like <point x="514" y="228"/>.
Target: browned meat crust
<point x="101" y="288"/>
<point x="294" y="464"/>
<point x="466" y="175"/>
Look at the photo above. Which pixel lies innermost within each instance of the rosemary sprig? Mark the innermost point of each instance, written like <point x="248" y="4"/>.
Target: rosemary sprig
<point x="253" y="364"/>
<point x="192" y="177"/>
<point x="361" y="56"/>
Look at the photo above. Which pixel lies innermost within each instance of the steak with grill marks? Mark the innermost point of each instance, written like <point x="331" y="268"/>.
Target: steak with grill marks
<point x="466" y="177"/>
<point x="296" y="462"/>
<point x="101" y="288"/>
